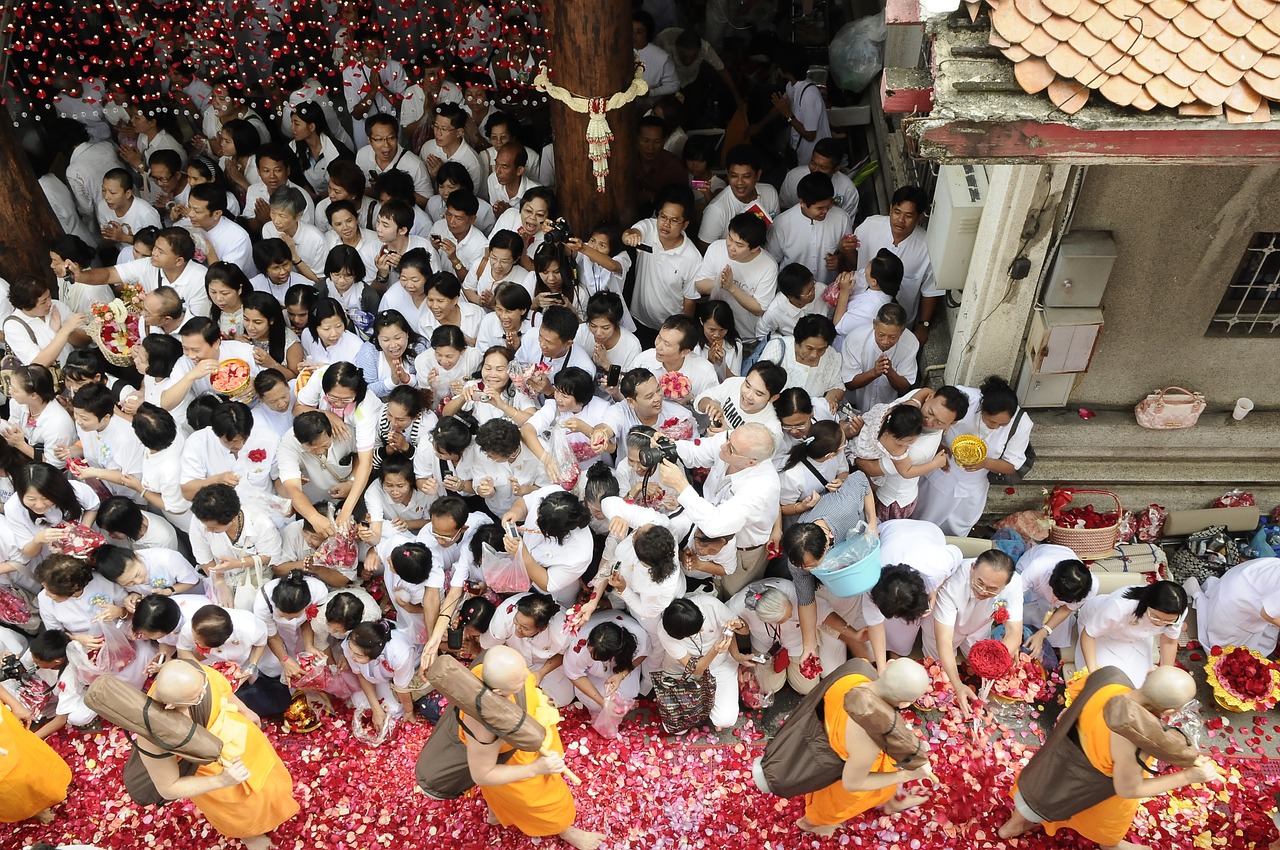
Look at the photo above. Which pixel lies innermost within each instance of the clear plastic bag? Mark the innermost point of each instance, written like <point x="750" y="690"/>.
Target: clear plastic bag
<point x="503" y="573"/>
<point x="116" y="653"/>
<point x="362" y="728"/>
<point x="13" y="608"/>
<point x="857" y="52"/>
<point x="564" y="468"/>
<point x="749" y="691"/>
<point x="616" y="708"/>
<point x="316" y="674"/>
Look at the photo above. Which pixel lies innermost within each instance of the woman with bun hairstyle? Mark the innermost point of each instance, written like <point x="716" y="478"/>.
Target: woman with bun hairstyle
<point x="282" y="606"/>
<point x="954" y="497"/>
<point x="384" y="663"/>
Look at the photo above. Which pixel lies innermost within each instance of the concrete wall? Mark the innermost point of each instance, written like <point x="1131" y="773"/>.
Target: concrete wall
<point x="1180" y="233"/>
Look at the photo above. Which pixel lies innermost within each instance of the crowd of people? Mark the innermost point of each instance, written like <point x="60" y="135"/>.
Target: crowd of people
<point x="383" y="377"/>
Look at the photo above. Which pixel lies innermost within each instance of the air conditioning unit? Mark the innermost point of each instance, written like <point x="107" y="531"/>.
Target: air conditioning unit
<point x="958" y="200"/>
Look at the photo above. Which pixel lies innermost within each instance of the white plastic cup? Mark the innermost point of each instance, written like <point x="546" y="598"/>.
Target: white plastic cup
<point x="1243" y="406"/>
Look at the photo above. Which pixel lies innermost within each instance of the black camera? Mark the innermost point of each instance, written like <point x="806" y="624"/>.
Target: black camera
<point x="651" y="457"/>
<point x="11" y="668"/>
<point x="559" y="232"/>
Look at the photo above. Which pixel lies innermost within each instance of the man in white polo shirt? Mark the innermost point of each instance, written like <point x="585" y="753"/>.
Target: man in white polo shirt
<point x="880" y="361"/>
<point x="738" y="271"/>
<point x="744" y="165"/>
<point x="668" y="260"/>
<point x="825" y="160"/>
<point x="899" y="231"/>
<point x="170" y="264"/>
<point x="207" y="209"/>
<point x="120" y="213"/>
<point x="811" y="233"/>
<point x="385" y="153"/>
<point x="508" y="182"/>
<point x="288" y="206"/>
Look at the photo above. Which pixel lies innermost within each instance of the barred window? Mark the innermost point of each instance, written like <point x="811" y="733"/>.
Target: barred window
<point x="1251" y="305"/>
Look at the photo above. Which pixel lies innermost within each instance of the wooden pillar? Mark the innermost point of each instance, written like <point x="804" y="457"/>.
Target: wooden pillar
<point x="592" y="56"/>
<point x="27" y="222"/>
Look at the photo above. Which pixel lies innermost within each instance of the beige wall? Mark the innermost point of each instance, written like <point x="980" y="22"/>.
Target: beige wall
<point x="1180" y="232"/>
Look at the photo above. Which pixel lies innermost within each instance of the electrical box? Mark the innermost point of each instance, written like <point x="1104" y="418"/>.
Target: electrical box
<point x="1081" y="270"/>
<point x="958" y="201"/>
<point x="1037" y="389"/>
<point x="1063" y="339"/>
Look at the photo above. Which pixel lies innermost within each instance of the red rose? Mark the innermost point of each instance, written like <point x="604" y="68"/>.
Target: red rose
<point x="313" y="611"/>
<point x="1000" y="615"/>
<point x="258" y="455"/>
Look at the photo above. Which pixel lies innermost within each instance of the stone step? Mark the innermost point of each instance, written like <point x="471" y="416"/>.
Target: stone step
<point x="1174" y="496"/>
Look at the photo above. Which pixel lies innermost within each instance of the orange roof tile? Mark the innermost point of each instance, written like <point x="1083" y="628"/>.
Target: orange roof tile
<point x="1200" y="57"/>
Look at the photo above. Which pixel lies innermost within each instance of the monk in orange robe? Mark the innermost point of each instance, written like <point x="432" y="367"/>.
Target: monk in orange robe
<point x="1087" y="776"/>
<point x="870" y="778"/>
<point x="527" y="790"/>
<point x="245" y="794"/>
<point x="33" y="778"/>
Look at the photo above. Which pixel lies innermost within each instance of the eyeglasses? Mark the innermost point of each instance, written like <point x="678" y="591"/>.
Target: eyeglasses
<point x="443" y="128"/>
<point x="381" y="139"/>
<point x="1161" y="623"/>
<point x="334" y="401"/>
<point x="798" y="426"/>
<point x="982" y="588"/>
<point x="447" y="538"/>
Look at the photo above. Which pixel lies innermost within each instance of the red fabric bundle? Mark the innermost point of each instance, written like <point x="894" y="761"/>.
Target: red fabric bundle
<point x="82" y="541"/>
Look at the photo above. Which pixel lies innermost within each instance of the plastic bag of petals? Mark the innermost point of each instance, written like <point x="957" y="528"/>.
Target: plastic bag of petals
<point x="13" y="608"/>
<point x="749" y="691"/>
<point x="81" y="541"/>
<point x="337" y="552"/>
<point x="116" y="653"/>
<point x="609" y="720"/>
<point x="317" y="674"/>
<point x="363" y="730"/>
<point x="1234" y="499"/>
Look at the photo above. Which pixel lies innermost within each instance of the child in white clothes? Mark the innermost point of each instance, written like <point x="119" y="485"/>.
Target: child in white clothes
<point x="888" y="433"/>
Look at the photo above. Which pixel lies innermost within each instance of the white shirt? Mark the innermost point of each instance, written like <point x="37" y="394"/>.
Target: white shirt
<point x="362" y="419"/>
<point x="264" y="609"/>
<point x="659" y="71"/>
<point x="89" y="162"/>
<point x="485" y="218"/>
<point x="162" y="474"/>
<point x="27" y="344"/>
<point x="497" y="192"/>
<point x="662" y="276"/>
<point x="1036" y="567"/>
<point x="701" y="374"/>
<point x="189" y="284"/>
<point x="729" y="396"/>
<point x="463" y="155"/>
<point x="645" y="598"/>
<point x="537" y="650"/>
<point x="368" y="248"/>
<point x="673" y="419"/>
<point x="247" y="634"/>
<point x="861" y="353"/>
<point x="863" y="307"/>
<point x="971" y="617"/>
<point x="404" y="160"/>
<point x="530" y="351"/>
<point x="19" y="520"/>
<point x="140" y="214"/>
<point x="232" y="243"/>
<point x="166" y="569"/>
<point x="63" y="204"/>
<point x="356" y="79"/>
<point x="395" y="666"/>
<point x="715" y="616"/>
<point x="76" y="614"/>
<point x="758" y="277"/>
<point x="315" y="475"/>
<point x="810" y="109"/>
<point x="921" y="546"/>
<point x="470" y="249"/>
<point x="204" y="456"/>
<point x="228" y="349"/>
<point x="53" y="427"/>
<point x="1232" y="608"/>
<point x="158" y="534"/>
<point x="346" y="350"/>
<point x="781" y="316"/>
<point x="816" y="380"/>
<point x="787" y="632"/>
<point x="383" y="508"/>
<point x="744" y="504"/>
<point x="114" y="447"/>
<point x="307" y="240"/>
<point x="846" y="192"/>
<point x="721" y="210"/>
<point x="917" y="277"/>
<point x="578" y="663"/>
<point x="1001" y="442"/>
<point x="1110" y="618"/>
<point x="484" y="282"/>
<point x="796" y="238"/>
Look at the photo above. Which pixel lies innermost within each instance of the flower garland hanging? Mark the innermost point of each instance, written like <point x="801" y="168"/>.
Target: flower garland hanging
<point x="599" y="135"/>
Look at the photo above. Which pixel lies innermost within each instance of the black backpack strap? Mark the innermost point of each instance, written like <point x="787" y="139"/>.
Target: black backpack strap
<point x="816" y="474"/>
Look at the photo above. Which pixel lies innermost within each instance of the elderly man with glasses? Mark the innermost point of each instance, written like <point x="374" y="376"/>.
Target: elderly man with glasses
<point x="740" y="496"/>
<point x="968" y="608"/>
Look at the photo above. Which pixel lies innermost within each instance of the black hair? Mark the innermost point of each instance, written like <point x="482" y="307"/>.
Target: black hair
<point x="371" y="638"/>
<point x="307" y="427"/>
<point x="163" y="353"/>
<point x="748" y="155"/>
<point x="64" y="575"/>
<point x="539" y="607"/>
<point x="51" y="646"/>
<point x="346" y="609"/>
<point x="814" y="188"/>
<point x="998" y="560"/>
<point x="887" y="271"/>
<point x="512" y="296"/>
<point x="793" y="400"/>
<point x="453" y="435"/>
<point x="722" y="314"/>
<point x="446" y="283"/>
<point x="271" y="252"/>
<point x="632" y="380"/>
<point x="326" y="308"/>
<point x="690" y="330"/>
<point x="953" y="399"/>
<point x="773" y="375"/>
<point x="656" y="549"/>
<point x="449" y="336"/>
<point x="804" y="538"/>
<point x="575" y="382"/>
<point x="412" y="562"/>
<point x="749" y="228"/>
<point x="601" y="483"/>
<point x="347" y="375"/>
<point x="266" y="305"/>
<point x="1167" y="597"/>
<point x="1070" y="581"/>
<point x="998" y="396"/>
<point x="793" y="279"/>
<point x="212" y="626"/>
<point x="824" y="438"/>
<point x="267" y="380"/>
<point x="231" y="420"/>
<point x="913" y="195"/>
<point x="51" y="483"/>
<point x="477" y="613"/>
<point x="292" y="594"/>
<point x="682" y="618"/>
<point x="111" y="561"/>
<point x="394" y="319"/>
<point x="490" y="534"/>
<point x="454" y="507"/>
<point x="37" y="380"/>
<point x="892" y="314"/>
<point x="121" y="515"/>
<point x="561" y="321"/>
<point x="561" y="513"/>
<point x="464" y="201"/>
<point x="611" y="642"/>
<point x="156" y="613"/>
<point x="498" y="436"/>
<point x="216" y="503"/>
<point x="72" y="248"/>
<point x="900" y="592"/>
<point x="604" y="305"/>
<point x="815" y="325"/>
<point x="201" y="409"/>
<point x="154" y="427"/>
<point x="96" y="399"/>
<point x="903" y="422"/>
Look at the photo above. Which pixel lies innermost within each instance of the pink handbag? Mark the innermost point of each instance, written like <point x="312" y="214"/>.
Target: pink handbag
<point x="1171" y="407"/>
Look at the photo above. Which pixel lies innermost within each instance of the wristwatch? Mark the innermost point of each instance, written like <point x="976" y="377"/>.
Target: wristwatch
<point x="925" y="324"/>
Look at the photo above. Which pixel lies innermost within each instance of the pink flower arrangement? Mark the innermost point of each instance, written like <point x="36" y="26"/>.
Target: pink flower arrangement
<point x="675" y="385"/>
<point x="1026" y="682"/>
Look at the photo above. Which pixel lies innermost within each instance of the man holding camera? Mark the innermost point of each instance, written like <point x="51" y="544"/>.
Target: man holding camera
<point x="741" y="493"/>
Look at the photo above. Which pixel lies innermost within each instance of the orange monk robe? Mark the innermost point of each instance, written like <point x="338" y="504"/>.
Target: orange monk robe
<point x="262" y="803"/>
<point x="542" y="805"/>
<point x="32" y="776"/>
<point x="1108" y="822"/>
<point x="833" y="804"/>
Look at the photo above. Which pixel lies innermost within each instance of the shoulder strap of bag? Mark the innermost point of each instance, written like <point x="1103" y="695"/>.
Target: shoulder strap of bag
<point x="30" y="333"/>
<point x="1013" y="429"/>
<point x="816" y="474"/>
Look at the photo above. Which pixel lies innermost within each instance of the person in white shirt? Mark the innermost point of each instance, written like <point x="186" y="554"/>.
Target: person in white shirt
<point x="384" y="153"/>
<point x="203" y="345"/>
<point x="744" y="165"/>
<point x="809" y="359"/>
<point x="346" y="182"/>
<point x="342" y="394"/>
<point x="696" y="636"/>
<point x="343" y="228"/>
<point x="1057" y="584"/>
<point x="220" y="634"/>
<point x="749" y="398"/>
<point x="825" y="159"/>
<point x="448" y="144"/>
<point x="107" y="442"/>
<point x="282" y="605"/>
<point x="228" y="241"/>
<point x="1121" y="628"/>
<point x="88" y="162"/>
<point x="554" y="542"/>
<point x="955" y="497"/>
<point x="133" y="528"/>
<point x="146" y="572"/>
<point x="533" y="625"/>
<point x="607" y="659"/>
<point x="170" y="264"/>
<point x="861" y="294"/>
<point x="451" y="177"/>
<point x="965" y="612"/>
<point x="611" y="344"/>
<point x="37" y="425"/>
<point x="164" y="313"/>
<point x="670" y="260"/>
<point x="796" y="298"/>
<point x="315" y="143"/>
<point x="392" y="229"/>
<point x="740" y="494"/>
<point x="879" y="362"/>
<point x="508" y="182"/>
<point x="227" y="537"/>
<point x="812" y="233"/>
<point x="642" y="405"/>
<point x="900" y="233"/>
<point x="63" y="204"/>
<point x="1239" y="609"/>
<point x="738" y="271"/>
<point x="275" y="170"/>
<point x="554" y="346"/>
<point x="659" y="70"/>
<point x="673" y="352"/>
<point x="161" y="482"/>
<point x="802" y="103"/>
<point x="81" y="101"/>
<point x="770" y="610"/>
<point x="456" y="242"/>
<point x="504" y="469"/>
<point x="41" y="330"/>
<point x="235" y="449"/>
<point x="120" y="213"/>
<point x="314" y="464"/>
<point x="288" y="207"/>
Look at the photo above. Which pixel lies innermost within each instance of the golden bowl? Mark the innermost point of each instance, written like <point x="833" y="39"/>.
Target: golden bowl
<point x="968" y="449"/>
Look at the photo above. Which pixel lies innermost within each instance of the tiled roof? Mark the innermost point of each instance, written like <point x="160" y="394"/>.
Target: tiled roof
<point x="1203" y="58"/>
